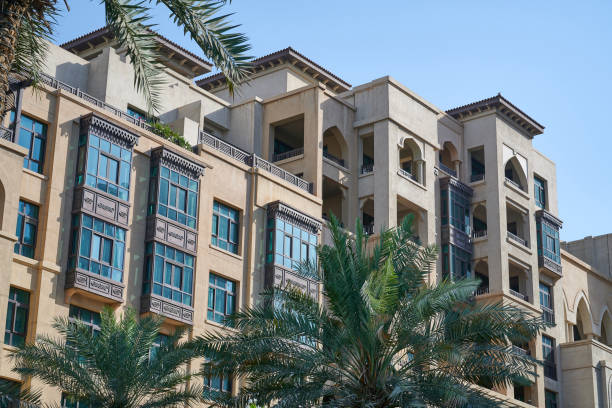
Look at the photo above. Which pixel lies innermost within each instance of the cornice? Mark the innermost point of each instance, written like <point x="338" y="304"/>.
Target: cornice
<point x="277" y="209"/>
<point x="176" y="162"/>
<point x="94" y="124"/>
<point x="457" y="185"/>
<point x="548" y="217"/>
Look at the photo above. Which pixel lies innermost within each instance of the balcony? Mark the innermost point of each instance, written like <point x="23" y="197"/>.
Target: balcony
<point x="514" y="183"/>
<point x="368" y="229"/>
<point x="289" y="154"/>
<point x="408" y="175"/>
<point x="366" y="169"/>
<point x="447" y="169"/>
<point x="333" y="158"/>
<point x="518" y="239"/>
<point x="518" y="295"/>
<point x="479" y="234"/>
<point x="481" y="291"/>
<point x="548" y="315"/>
<point x="477" y="177"/>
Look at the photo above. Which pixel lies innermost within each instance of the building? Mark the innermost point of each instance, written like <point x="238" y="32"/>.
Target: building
<point x="96" y="209"/>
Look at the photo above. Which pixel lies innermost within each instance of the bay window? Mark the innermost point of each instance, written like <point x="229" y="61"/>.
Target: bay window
<point x="169" y="273"/>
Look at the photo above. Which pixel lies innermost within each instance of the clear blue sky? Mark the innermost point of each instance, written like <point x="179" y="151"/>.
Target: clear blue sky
<point x="553" y="59"/>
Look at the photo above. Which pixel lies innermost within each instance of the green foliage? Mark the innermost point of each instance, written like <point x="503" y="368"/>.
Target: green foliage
<point x="165" y="131"/>
<point x="383" y="337"/>
<point x="115" y="367"/>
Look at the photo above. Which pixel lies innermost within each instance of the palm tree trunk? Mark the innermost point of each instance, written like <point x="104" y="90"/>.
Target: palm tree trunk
<point x="11" y="13"/>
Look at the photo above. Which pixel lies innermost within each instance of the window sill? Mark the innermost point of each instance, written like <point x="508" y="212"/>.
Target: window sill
<point x="518" y="190"/>
<point x="220" y="326"/>
<point x="336" y="165"/>
<point x="226" y="252"/>
<point x="34" y="174"/>
<point x="24" y="260"/>
<point x="9" y="348"/>
<point x="477" y="183"/>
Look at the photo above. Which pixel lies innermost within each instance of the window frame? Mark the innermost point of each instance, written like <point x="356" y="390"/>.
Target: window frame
<point x="10" y="331"/>
<point x="77" y="317"/>
<point x="22" y="219"/>
<point x="191" y="186"/>
<point x="217" y="216"/>
<point x="548" y="356"/>
<point x="151" y="263"/>
<point x="208" y="383"/>
<point x="546" y="294"/>
<point x="211" y="311"/>
<point x="281" y="258"/>
<point x="540" y="192"/>
<point x="33" y="136"/>
<point x="80" y="227"/>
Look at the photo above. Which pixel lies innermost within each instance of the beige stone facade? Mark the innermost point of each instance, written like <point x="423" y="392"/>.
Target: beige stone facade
<point x="292" y="147"/>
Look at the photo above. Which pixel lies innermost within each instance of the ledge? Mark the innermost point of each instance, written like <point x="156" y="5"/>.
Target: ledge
<point x="519" y="246"/>
<point x="518" y="190"/>
<point x="8" y="236"/>
<point x="336" y="165"/>
<point x="226" y="252"/>
<point x="288" y="160"/>
<point x="24" y="260"/>
<point x="416" y="183"/>
<point x="34" y="174"/>
<point x="161" y="306"/>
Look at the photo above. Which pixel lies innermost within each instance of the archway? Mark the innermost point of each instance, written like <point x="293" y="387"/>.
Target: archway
<point x="334" y="146"/>
<point x="606" y="328"/>
<point x="411" y="160"/>
<point x="514" y="173"/>
<point x="584" y="323"/>
<point x="448" y="158"/>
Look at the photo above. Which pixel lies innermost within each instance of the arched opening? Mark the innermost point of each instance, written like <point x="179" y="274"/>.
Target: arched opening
<point x="406" y="208"/>
<point x="334" y="146"/>
<point x="333" y="200"/>
<point x="480" y="221"/>
<point x="584" y="324"/>
<point x="481" y="271"/>
<point x="288" y="138"/>
<point x="411" y="161"/>
<point x="449" y="159"/>
<point x="514" y="174"/>
<point x="606" y="328"/>
<point x="519" y="280"/>
<point x="367" y="215"/>
<point x="517" y="225"/>
<point x="367" y="154"/>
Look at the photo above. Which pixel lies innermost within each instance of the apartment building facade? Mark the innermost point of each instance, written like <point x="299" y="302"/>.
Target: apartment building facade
<point x="96" y="209"/>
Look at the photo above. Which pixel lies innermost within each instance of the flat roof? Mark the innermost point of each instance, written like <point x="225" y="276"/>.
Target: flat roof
<point x="184" y="61"/>
<point x="504" y="106"/>
<point x="290" y="55"/>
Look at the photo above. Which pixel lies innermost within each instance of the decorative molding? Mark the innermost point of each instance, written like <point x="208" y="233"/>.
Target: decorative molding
<point x="172" y="160"/>
<point x="172" y="234"/>
<point x="151" y="303"/>
<point x="280" y="277"/>
<point x="455" y="237"/>
<point x="93" y="124"/>
<point x="549" y="264"/>
<point x="277" y="209"/>
<point x="94" y="284"/>
<point x="456" y="185"/>
<point x="100" y="205"/>
<point x="545" y="216"/>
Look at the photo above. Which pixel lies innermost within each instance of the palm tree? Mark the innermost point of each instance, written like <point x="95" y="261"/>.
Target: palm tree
<point x="121" y="365"/>
<point x="25" y="25"/>
<point x="382" y="337"/>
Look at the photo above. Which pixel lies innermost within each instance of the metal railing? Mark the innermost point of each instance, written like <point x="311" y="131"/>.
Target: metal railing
<point x="289" y="154"/>
<point x="477" y="177"/>
<point x="366" y="168"/>
<point x="484" y="290"/>
<point x="368" y="229"/>
<point x="6" y="134"/>
<point x="479" y="234"/>
<point x="520" y="350"/>
<point x="408" y="175"/>
<point x="224" y="147"/>
<point x="548" y="314"/>
<point x="333" y="158"/>
<point x="519" y="295"/>
<point x="517" y="238"/>
<point x="57" y="84"/>
<point x="447" y="169"/>
<point x="514" y="183"/>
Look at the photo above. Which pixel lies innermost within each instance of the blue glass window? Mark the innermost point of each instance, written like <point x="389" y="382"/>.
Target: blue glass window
<point x="455" y="263"/>
<point x="108" y="166"/>
<point x="90" y="319"/>
<point x="169" y="273"/>
<point x="32" y="136"/>
<point x="540" y="192"/>
<point x="293" y="245"/>
<point x="219" y="384"/>
<point x="27" y="224"/>
<point x="99" y="247"/>
<point x="177" y="197"/>
<point x="135" y="113"/>
<point x="548" y="241"/>
<point x="221" y="298"/>
<point x="225" y="226"/>
<point x="17" y="317"/>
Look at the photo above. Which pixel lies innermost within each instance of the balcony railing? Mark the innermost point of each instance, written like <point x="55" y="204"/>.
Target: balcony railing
<point x="520" y="350"/>
<point x="447" y="169"/>
<point x="548" y="314"/>
<point x="514" y="183"/>
<point x="253" y="160"/>
<point x="367" y="168"/>
<point x="481" y="291"/>
<point x="368" y="229"/>
<point x="517" y="239"/>
<point x="54" y="83"/>
<point x="408" y="174"/>
<point x="6" y="134"/>
<point x="333" y="158"/>
<point x="480" y="234"/>
<point x="519" y="295"/>
<point x="289" y="154"/>
<point x="477" y="177"/>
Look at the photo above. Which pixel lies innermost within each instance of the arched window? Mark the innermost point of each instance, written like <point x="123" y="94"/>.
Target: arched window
<point x="514" y="174"/>
<point x="448" y="156"/>
<point x="334" y="146"/>
<point x="411" y="160"/>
